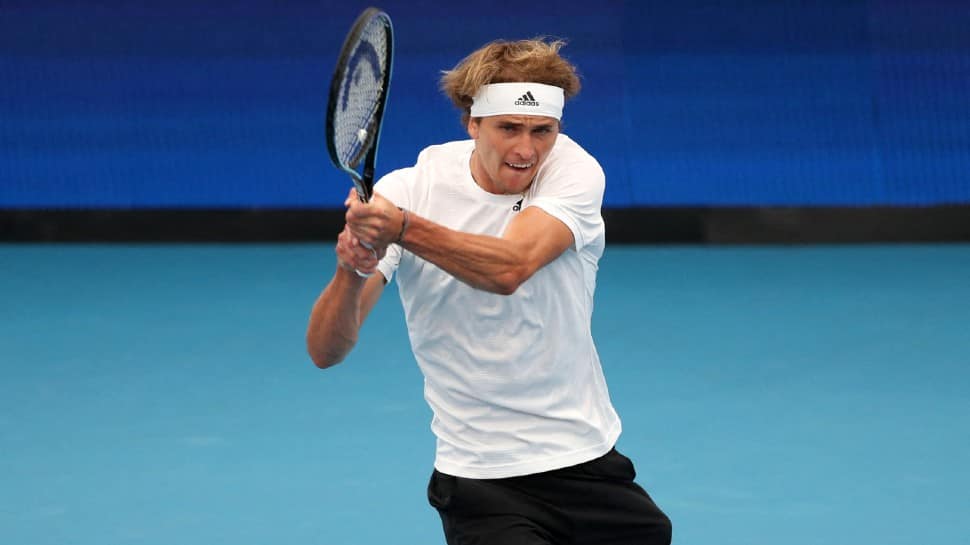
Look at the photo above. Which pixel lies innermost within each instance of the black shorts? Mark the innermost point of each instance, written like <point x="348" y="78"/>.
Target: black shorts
<point x="593" y="503"/>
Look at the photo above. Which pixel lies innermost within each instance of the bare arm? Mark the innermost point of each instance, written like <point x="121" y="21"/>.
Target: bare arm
<point x="495" y="264"/>
<point x="344" y="304"/>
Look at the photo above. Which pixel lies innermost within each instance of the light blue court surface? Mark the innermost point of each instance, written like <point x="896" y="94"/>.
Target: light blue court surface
<point x="770" y="396"/>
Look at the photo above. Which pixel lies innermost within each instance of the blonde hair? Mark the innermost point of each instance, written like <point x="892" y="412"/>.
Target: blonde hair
<point x="501" y="61"/>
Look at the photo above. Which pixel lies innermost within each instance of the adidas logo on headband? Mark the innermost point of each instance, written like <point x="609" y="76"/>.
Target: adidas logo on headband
<point x="517" y="98"/>
<point x="527" y="100"/>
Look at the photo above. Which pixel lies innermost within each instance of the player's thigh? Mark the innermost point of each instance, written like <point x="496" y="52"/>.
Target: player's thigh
<point x="615" y="510"/>
<point x="487" y="512"/>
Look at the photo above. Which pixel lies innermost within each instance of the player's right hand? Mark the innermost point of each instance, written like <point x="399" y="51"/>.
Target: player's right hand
<point x="354" y="256"/>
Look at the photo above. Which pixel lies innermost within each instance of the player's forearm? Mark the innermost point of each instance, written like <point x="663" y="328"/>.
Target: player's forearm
<point x="488" y="263"/>
<point x="335" y="319"/>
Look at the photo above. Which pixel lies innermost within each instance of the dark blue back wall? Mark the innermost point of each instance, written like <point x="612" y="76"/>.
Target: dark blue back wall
<point x="220" y="104"/>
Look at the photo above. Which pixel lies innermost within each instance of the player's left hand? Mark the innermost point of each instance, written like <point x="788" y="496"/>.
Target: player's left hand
<point x="376" y="223"/>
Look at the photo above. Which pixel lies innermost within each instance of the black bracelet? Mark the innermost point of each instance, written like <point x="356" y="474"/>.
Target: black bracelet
<point x="404" y="224"/>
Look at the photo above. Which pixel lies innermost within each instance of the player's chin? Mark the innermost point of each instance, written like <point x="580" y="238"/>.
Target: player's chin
<point x="519" y="176"/>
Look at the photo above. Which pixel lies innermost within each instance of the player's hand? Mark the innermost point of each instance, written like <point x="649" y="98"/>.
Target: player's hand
<point x="354" y="256"/>
<point x="376" y="223"/>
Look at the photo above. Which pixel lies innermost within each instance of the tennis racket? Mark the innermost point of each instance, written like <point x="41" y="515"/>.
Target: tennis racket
<point x="358" y="94"/>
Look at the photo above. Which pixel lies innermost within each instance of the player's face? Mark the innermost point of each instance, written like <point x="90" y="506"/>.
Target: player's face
<point x="509" y="150"/>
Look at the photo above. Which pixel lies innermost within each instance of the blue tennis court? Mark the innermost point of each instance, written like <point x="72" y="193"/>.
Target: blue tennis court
<point x="159" y="394"/>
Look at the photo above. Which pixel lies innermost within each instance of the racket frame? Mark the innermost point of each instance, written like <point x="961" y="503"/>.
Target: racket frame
<point x="363" y="181"/>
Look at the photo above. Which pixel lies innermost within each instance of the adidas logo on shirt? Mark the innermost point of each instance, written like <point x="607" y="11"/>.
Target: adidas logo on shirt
<point x="527" y="100"/>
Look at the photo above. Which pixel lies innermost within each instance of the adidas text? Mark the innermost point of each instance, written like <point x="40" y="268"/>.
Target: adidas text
<point x="527" y="100"/>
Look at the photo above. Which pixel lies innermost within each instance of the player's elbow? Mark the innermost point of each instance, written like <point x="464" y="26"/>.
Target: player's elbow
<point x="508" y="282"/>
<point x="324" y="355"/>
<point x="323" y="360"/>
<point x="504" y="288"/>
<point x="328" y="345"/>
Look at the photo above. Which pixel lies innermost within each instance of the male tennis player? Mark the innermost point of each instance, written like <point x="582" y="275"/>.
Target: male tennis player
<point x="495" y="246"/>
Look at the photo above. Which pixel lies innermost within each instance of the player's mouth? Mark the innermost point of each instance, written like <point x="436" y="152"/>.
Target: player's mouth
<point x="520" y="166"/>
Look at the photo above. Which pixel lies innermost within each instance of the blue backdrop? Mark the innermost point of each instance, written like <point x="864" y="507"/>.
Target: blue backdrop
<point x="128" y="104"/>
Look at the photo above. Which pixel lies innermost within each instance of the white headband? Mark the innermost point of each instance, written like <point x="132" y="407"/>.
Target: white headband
<point x="518" y="99"/>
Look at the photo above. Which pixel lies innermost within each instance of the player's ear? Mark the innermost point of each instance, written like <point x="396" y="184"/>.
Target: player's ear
<point x="473" y="126"/>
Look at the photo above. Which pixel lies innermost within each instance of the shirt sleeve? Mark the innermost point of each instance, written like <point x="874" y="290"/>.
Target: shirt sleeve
<point x="572" y="192"/>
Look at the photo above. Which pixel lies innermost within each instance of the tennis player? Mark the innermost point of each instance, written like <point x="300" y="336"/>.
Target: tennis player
<point x="495" y="242"/>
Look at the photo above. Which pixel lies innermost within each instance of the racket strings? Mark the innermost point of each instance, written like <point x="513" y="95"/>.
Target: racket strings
<point x="360" y="94"/>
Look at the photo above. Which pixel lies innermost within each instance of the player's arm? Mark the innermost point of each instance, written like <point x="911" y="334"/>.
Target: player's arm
<point x="344" y="304"/>
<point x="495" y="264"/>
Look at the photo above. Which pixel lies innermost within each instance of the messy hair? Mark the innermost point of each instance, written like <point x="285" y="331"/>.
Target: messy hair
<point x="501" y="61"/>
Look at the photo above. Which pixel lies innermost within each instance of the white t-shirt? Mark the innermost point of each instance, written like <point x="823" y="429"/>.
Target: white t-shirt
<point x="515" y="382"/>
